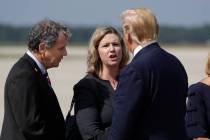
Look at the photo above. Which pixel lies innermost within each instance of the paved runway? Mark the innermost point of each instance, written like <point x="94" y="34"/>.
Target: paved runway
<point x="73" y="68"/>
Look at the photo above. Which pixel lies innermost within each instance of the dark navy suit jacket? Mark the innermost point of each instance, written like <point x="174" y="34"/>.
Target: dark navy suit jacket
<point x="150" y="98"/>
<point x="32" y="111"/>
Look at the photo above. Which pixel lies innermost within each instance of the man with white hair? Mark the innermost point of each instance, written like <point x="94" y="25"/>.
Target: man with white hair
<point x="149" y="103"/>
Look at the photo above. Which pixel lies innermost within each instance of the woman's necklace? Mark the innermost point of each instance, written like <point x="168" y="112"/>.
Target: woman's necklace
<point x="114" y="84"/>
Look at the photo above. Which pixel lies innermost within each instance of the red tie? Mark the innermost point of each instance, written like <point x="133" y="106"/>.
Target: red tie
<point x="48" y="78"/>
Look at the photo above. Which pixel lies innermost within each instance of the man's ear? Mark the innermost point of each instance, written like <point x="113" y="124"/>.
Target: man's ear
<point x="127" y="37"/>
<point x="42" y="48"/>
<point x="128" y="41"/>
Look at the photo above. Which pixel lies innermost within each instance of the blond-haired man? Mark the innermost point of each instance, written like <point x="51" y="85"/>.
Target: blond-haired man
<point x="150" y="96"/>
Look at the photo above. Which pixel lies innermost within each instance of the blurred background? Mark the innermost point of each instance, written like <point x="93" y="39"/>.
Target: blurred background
<point x="184" y="32"/>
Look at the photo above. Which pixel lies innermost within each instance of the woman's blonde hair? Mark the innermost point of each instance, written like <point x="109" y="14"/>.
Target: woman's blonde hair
<point x="141" y="23"/>
<point x="94" y="64"/>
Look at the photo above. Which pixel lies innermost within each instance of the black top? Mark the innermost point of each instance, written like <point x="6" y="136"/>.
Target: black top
<point x="198" y="111"/>
<point x="93" y="107"/>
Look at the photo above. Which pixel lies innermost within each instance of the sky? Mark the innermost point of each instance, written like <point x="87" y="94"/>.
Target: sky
<point x="102" y="12"/>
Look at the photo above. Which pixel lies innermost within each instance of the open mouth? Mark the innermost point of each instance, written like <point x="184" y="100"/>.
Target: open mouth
<point x="113" y="56"/>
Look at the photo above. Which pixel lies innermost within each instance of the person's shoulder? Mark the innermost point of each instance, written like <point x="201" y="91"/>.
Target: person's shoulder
<point x="21" y="74"/>
<point x="87" y="78"/>
<point x="87" y="81"/>
<point x="197" y="88"/>
<point x="204" y="83"/>
<point x="22" y="67"/>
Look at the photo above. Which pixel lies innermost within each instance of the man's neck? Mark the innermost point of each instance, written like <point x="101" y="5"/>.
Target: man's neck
<point x="36" y="57"/>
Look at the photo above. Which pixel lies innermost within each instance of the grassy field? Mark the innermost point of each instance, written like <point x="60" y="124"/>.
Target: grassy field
<point x="73" y="68"/>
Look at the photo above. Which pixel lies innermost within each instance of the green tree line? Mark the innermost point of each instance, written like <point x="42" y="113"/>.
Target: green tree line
<point x="81" y="35"/>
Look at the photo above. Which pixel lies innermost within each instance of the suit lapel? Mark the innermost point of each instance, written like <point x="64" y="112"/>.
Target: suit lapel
<point x="47" y="90"/>
<point x="38" y="72"/>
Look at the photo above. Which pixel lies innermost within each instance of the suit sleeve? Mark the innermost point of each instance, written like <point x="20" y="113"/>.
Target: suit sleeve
<point x="24" y="104"/>
<point x="87" y="111"/>
<point x="196" y="122"/>
<point x="128" y="102"/>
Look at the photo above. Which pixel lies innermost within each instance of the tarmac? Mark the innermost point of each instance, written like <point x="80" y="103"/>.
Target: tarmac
<point x="73" y="68"/>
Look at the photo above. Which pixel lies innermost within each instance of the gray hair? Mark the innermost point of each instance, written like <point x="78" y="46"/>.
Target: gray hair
<point x="46" y="31"/>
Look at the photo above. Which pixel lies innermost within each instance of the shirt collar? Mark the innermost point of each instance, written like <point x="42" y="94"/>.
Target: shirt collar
<point x="41" y="67"/>
<point x="138" y="48"/>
